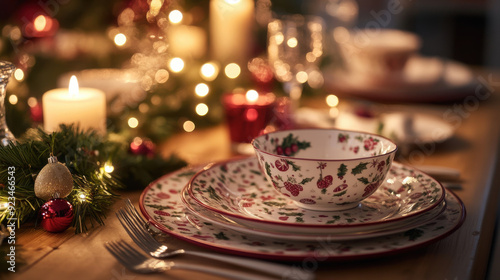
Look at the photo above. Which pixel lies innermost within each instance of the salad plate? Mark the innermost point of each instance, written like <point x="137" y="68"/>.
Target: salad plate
<point x="220" y="220"/>
<point x="238" y="190"/>
<point x="161" y="204"/>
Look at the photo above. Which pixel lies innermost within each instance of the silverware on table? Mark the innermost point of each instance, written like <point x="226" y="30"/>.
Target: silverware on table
<point x="134" y="224"/>
<point x="137" y="262"/>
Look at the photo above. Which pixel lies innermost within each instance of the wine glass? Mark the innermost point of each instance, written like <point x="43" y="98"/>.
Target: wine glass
<point x="6" y="70"/>
<point x="295" y="47"/>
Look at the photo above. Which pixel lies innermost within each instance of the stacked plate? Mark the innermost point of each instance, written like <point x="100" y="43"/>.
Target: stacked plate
<point x="229" y="206"/>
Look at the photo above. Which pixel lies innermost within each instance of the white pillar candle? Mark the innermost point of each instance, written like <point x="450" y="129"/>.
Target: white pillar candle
<point x="187" y="41"/>
<point x="83" y="106"/>
<point x="231" y="30"/>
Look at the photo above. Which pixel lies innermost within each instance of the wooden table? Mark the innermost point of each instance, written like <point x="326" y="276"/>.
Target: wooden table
<point x="462" y="255"/>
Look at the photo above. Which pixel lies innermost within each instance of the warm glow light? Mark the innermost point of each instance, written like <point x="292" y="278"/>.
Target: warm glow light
<point x="201" y="109"/>
<point x="232" y="70"/>
<point x="13" y="99"/>
<point x="201" y="89"/>
<point x="155" y="6"/>
<point x="332" y="100"/>
<point x="175" y="16"/>
<point x="155" y="100"/>
<point x="176" y="64"/>
<point x="188" y="126"/>
<point x="232" y="2"/>
<point x="19" y="74"/>
<point x="301" y="77"/>
<point x="252" y="95"/>
<point x="32" y="102"/>
<point x="161" y="76"/>
<point x="209" y="71"/>
<point x="73" y="86"/>
<point x="108" y="167"/>
<point x="143" y="108"/>
<point x="120" y="39"/>
<point x="133" y="122"/>
<point x="292" y="42"/>
<point x="82" y="196"/>
<point x="40" y="23"/>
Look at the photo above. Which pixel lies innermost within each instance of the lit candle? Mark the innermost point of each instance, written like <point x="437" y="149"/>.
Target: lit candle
<point x="231" y="25"/>
<point x="247" y="114"/>
<point x="83" y="106"/>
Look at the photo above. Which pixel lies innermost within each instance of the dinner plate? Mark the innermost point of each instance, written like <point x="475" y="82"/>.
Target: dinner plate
<point x="222" y="221"/>
<point x="160" y="203"/>
<point x="239" y="190"/>
<point x="425" y="79"/>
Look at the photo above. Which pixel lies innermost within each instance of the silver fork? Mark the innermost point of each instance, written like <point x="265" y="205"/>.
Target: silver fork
<point x="137" y="262"/>
<point x="134" y="224"/>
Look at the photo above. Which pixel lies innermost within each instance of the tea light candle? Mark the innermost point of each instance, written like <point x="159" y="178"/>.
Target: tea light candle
<point x="84" y="106"/>
<point x="231" y="25"/>
<point x="247" y="114"/>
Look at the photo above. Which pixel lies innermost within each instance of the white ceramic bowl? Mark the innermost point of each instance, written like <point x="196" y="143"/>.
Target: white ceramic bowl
<point x="378" y="53"/>
<point x="324" y="169"/>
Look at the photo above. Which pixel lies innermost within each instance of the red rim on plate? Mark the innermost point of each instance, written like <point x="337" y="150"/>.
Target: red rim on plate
<point x="285" y="224"/>
<point x="161" y="205"/>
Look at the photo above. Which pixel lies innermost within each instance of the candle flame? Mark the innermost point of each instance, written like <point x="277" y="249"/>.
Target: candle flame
<point x="73" y="86"/>
<point x="252" y="95"/>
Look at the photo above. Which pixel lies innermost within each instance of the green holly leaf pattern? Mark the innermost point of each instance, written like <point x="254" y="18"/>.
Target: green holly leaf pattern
<point x="213" y="194"/>
<point x="274" y="204"/>
<point x="359" y="168"/>
<point x="342" y="170"/>
<point x="364" y="180"/>
<point x="221" y="236"/>
<point x="306" y="180"/>
<point x="295" y="167"/>
<point x="414" y="234"/>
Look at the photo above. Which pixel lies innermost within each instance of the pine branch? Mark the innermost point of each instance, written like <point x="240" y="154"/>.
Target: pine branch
<point x="84" y="153"/>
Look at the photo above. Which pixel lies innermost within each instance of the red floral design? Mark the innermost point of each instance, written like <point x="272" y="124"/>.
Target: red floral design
<point x="281" y="165"/>
<point x="307" y="201"/>
<point x="370" y="143"/>
<point x="163" y="195"/>
<point x="294" y="189"/>
<point x="161" y="213"/>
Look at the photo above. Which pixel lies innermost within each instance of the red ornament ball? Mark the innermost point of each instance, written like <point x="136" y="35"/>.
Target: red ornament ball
<point x="56" y="215"/>
<point x="143" y="146"/>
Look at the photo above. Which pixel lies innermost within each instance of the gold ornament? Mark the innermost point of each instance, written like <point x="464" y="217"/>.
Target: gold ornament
<point x="54" y="180"/>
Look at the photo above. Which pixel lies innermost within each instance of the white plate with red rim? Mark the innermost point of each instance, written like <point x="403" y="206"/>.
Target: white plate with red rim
<point x="239" y="190"/>
<point x="160" y="203"/>
<point x="219" y="220"/>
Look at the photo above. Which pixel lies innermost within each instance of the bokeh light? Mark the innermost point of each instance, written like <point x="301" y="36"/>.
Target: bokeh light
<point x="232" y="70"/>
<point x="201" y="89"/>
<point x="176" y="64"/>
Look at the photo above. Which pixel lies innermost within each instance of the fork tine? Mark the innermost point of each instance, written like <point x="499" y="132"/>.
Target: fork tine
<point x="138" y="224"/>
<point x="140" y="235"/>
<point x="133" y="232"/>
<point x="133" y="210"/>
<point x="137" y="228"/>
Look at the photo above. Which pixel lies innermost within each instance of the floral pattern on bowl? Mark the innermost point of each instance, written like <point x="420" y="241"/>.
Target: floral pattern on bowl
<point x="160" y="203"/>
<point x="322" y="169"/>
<point x="239" y="190"/>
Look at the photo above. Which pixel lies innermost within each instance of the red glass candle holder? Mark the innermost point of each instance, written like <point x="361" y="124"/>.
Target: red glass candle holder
<point x="246" y="117"/>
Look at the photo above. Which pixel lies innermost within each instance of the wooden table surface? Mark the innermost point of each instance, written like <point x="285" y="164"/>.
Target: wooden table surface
<point x="462" y="255"/>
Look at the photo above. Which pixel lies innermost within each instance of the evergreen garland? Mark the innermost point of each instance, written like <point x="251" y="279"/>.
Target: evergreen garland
<point x="84" y="153"/>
